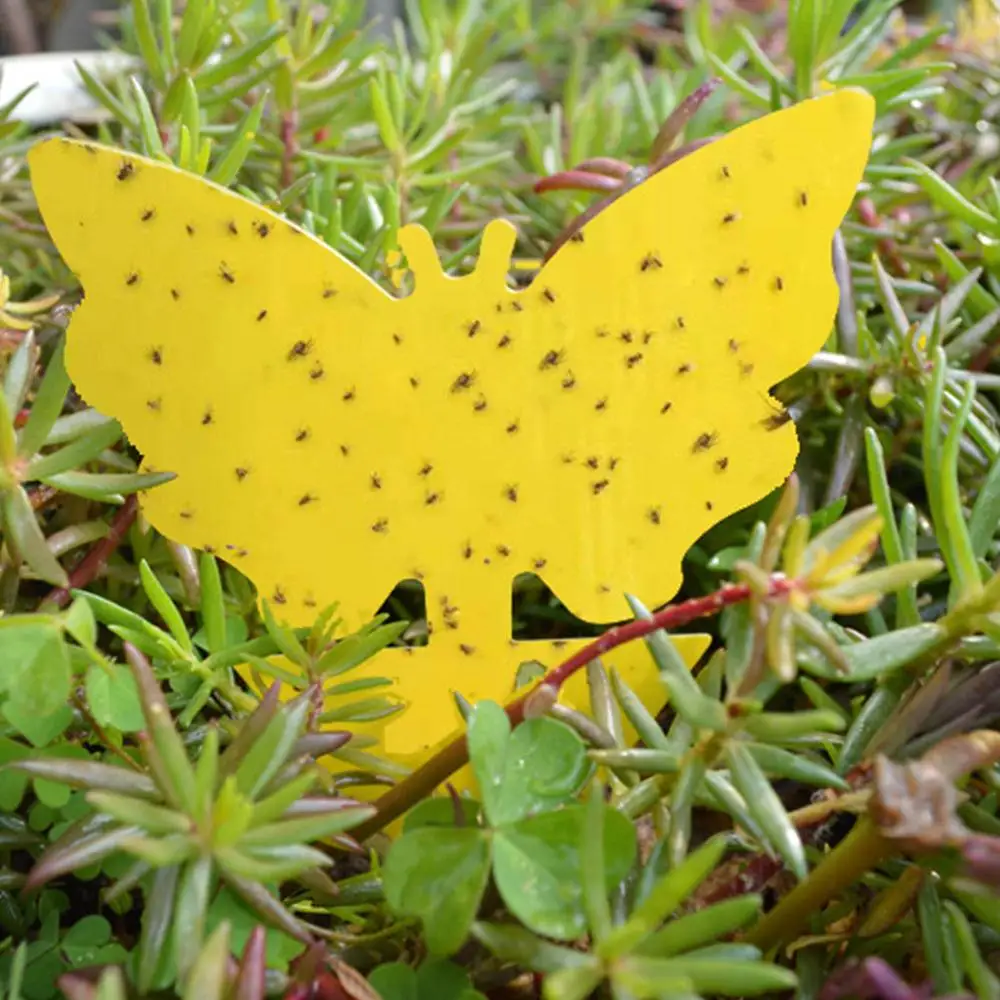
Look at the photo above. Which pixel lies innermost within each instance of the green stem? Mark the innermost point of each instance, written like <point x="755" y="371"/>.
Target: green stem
<point x="962" y="620"/>
<point x="860" y="851"/>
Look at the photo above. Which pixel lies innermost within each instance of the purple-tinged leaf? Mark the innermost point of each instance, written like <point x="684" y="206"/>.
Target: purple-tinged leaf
<point x="86" y="851"/>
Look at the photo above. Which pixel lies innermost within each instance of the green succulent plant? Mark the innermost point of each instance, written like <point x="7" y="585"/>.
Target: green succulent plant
<point x="214" y="974"/>
<point x="55" y="453"/>
<point x="241" y="815"/>
<point x="634" y="950"/>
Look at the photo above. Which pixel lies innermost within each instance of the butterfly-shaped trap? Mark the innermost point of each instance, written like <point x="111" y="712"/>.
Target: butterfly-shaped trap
<point x="330" y="440"/>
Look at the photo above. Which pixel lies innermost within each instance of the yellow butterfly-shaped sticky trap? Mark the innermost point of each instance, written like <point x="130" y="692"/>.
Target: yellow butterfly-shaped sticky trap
<point x="330" y="440"/>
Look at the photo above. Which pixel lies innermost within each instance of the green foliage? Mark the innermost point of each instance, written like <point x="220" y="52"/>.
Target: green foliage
<point x="531" y="836"/>
<point x="636" y="957"/>
<point x="85" y="943"/>
<point x="156" y="811"/>
<point x="243" y="815"/>
<point x="434" y="980"/>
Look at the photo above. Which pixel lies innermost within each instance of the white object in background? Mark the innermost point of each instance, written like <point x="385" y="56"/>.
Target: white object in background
<point x="59" y="94"/>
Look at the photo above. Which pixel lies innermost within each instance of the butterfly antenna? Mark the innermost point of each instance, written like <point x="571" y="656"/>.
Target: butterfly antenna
<point x="421" y="255"/>
<point x="493" y="265"/>
<point x="495" y="251"/>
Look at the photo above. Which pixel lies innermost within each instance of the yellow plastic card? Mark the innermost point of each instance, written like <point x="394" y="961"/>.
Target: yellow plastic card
<point x="330" y="439"/>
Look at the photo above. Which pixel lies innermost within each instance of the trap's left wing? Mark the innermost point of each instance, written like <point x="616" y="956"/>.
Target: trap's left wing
<point x="237" y="352"/>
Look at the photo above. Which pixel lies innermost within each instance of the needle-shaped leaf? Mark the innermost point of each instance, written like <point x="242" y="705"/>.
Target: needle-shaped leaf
<point x="685" y="695"/>
<point x="515" y="944"/>
<point x="165" y="607"/>
<point x="682" y="799"/>
<point x="641" y="719"/>
<point x="664" y="897"/>
<point x="84" y="449"/>
<point x="952" y="201"/>
<point x="270" y="864"/>
<point x="106" y="486"/>
<point x="766" y="807"/>
<point x="273" y="912"/>
<point x="26" y="539"/>
<point x="197" y="881"/>
<point x="47" y="404"/>
<point x="157" y="919"/>
<point x="906" y="600"/>
<point x="270" y="750"/>
<point x="733" y="978"/>
<point x="960" y="555"/>
<point x="796" y="767"/>
<point x="88" y="774"/>
<point x="19" y="372"/>
<point x="592" y="867"/>
<point x="208" y="976"/>
<point x="63" y="858"/>
<point x="135" y="812"/>
<point x="177" y="770"/>
<point x="307" y="828"/>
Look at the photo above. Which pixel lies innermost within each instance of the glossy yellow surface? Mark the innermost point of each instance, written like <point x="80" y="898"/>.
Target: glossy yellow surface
<point x="330" y="440"/>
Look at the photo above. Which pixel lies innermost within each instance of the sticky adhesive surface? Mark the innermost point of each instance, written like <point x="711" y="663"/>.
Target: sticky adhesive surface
<point x="330" y="440"/>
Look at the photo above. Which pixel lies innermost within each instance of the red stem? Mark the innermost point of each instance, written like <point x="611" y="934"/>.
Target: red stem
<point x="455" y="754"/>
<point x="981" y="361"/>
<point x="289" y="142"/>
<point x="669" y="617"/>
<point x="630" y="180"/>
<point x="888" y="248"/>
<point x="680" y="117"/>
<point x="91" y="565"/>
<point x="577" y="180"/>
<point x="606" y="165"/>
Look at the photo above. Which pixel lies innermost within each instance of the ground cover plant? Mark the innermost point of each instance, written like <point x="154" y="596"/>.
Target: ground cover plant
<point x="815" y="813"/>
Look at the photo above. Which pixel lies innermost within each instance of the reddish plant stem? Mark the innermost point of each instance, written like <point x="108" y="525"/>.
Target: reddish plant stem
<point x="678" y="120"/>
<point x="578" y="180"/>
<point x="455" y="754"/>
<point x="591" y="181"/>
<point x="888" y="248"/>
<point x="290" y="144"/>
<point x="672" y="616"/>
<point x="10" y="338"/>
<point x="981" y="361"/>
<point x="606" y="165"/>
<point x="19" y="26"/>
<point x="91" y="565"/>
